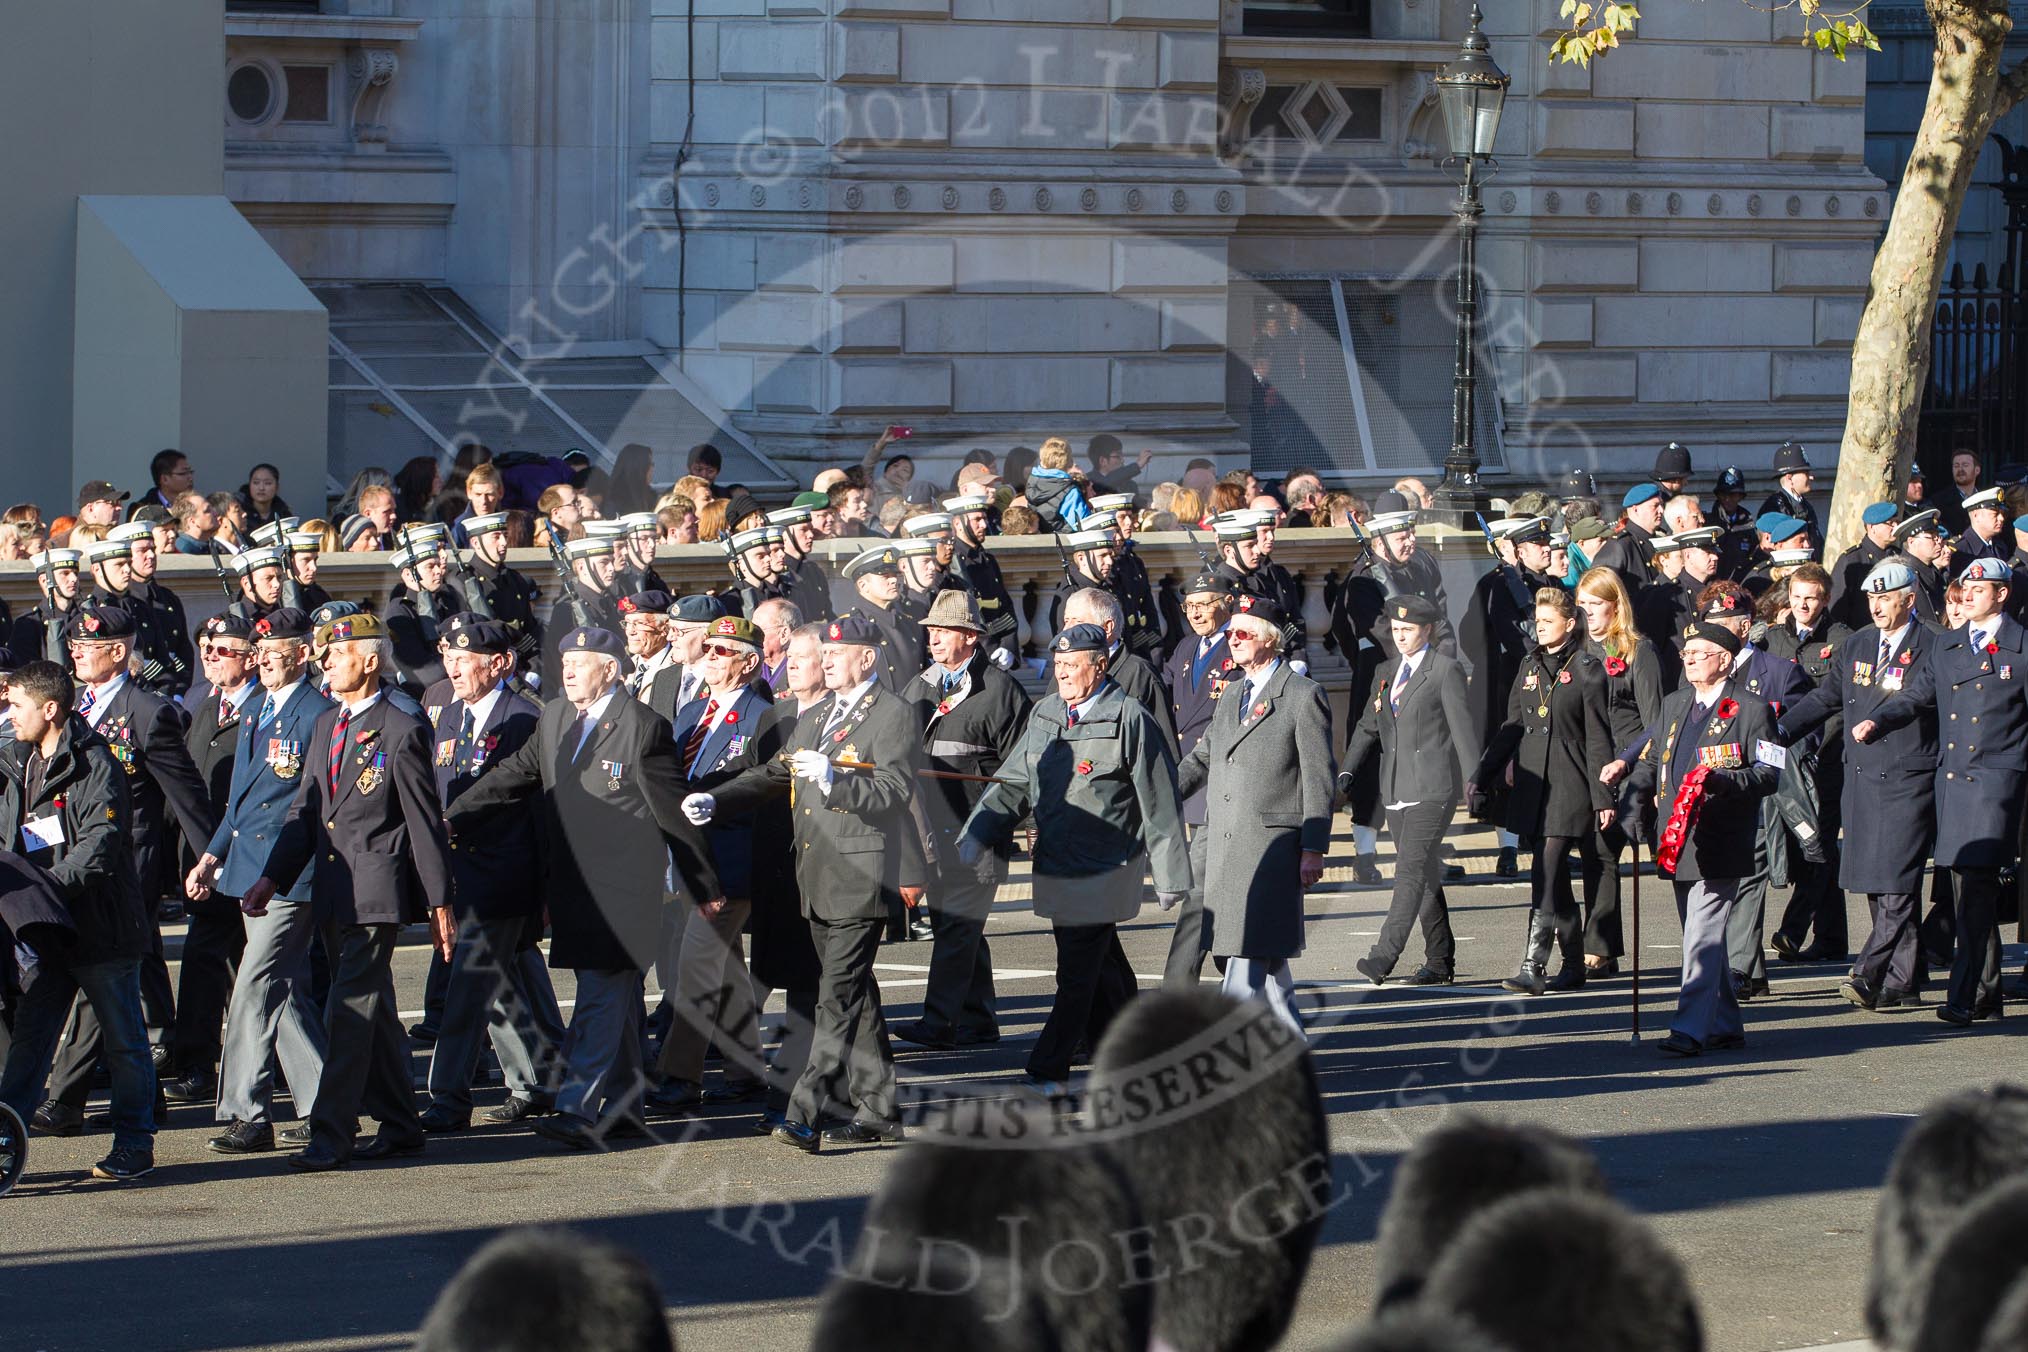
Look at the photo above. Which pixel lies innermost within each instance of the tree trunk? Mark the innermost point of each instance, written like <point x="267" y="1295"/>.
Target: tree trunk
<point x="1890" y="355"/>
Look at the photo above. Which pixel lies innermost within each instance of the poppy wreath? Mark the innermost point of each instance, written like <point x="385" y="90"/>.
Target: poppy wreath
<point x="1682" y="819"/>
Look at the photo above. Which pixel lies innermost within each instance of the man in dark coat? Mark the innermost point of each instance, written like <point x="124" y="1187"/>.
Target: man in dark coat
<point x="144" y="732"/>
<point x="809" y="584"/>
<point x="876" y="575"/>
<point x="43" y="630"/>
<point x="588" y="600"/>
<point x="606" y="770"/>
<point x="1848" y="599"/>
<point x="1629" y="551"/>
<point x="1418" y="721"/>
<point x="1360" y="629"/>
<point x="498" y="989"/>
<point x="1130" y="583"/>
<point x="972" y="714"/>
<point x="849" y="822"/>
<point x="111" y="561"/>
<point x="1986" y="535"/>
<point x="367" y="813"/>
<point x="165" y="605"/>
<point x="1977" y="681"/>
<point x="1890" y="783"/>
<point x="1924" y="546"/>
<point x="63" y="797"/>
<point x="416" y="613"/>
<point x="1709" y="761"/>
<point x="1811" y="639"/>
<point x="1197" y="675"/>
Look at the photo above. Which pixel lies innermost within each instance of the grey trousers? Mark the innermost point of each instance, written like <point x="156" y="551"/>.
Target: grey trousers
<point x="713" y="999"/>
<point x="1706" y="1007"/>
<point x="1185" y="964"/>
<point x="495" y="993"/>
<point x="602" y="1050"/>
<point x="271" y="1019"/>
<point x="368" y="1062"/>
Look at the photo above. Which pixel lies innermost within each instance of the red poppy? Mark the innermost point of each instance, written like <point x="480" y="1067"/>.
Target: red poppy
<point x="58" y="804"/>
<point x="1827" y="651"/>
<point x="1615" y="667"/>
<point x="1563" y="678"/>
<point x="838" y="736"/>
<point x="1992" y="648"/>
<point x="732" y="716"/>
<point x="1728" y="708"/>
<point x="1084" y="767"/>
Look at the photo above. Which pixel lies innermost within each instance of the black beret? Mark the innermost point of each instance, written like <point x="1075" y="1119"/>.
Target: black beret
<point x="852" y="629"/>
<point x="226" y="625"/>
<point x="285" y="622"/>
<point x="101" y="623"/>
<point x="1412" y="609"/>
<point x="1260" y="608"/>
<point x="333" y="610"/>
<point x="586" y="639"/>
<point x="1208" y="584"/>
<point x="1081" y="638"/>
<point x="1729" y="605"/>
<point x="471" y="633"/>
<point x="1713" y="633"/>
<point x="647" y="603"/>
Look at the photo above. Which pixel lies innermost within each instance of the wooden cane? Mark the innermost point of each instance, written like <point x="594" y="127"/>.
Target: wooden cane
<point x="1637" y="941"/>
<point x="951" y="775"/>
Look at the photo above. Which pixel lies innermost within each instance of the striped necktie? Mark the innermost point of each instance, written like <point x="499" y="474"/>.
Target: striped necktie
<point x="694" y="743"/>
<point x="338" y="746"/>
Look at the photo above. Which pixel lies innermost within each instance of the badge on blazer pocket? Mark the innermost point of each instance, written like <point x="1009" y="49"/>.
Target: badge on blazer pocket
<point x="375" y="773"/>
<point x="285" y="758"/>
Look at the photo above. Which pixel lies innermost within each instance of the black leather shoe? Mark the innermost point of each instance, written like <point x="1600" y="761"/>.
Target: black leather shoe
<point x="385" y="1147"/>
<point x="1527" y="981"/>
<point x="435" y="1119"/>
<point x="735" y="1091"/>
<point x="125" y="1164"/>
<point x="864" y="1133"/>
<point x="243" y="1138"/>
<point x="1371" y="969"/>
<point x="802" y="1137"/>
<point x="1569" y="977"/>
<point x="1431" y="976"/>
<point x="978" y="1037"/>
<point x="164" y="1061"/>
<point x="1983" y="1013"/>
<point x="1365" y="872"/>
<point x="1859" y="993"/>
<point x="422" y="1035"/>
<point x="1819" y="953"/>
<point x="918" y="1034"/>
<point x="196" y="1087"/>
<point x="57" y="1119"/>
<point x="1454" y="873"/>
<point x="297" y="1136"/>
<point x="1894" y="999"/>
<point x="1785" y="948"/>
<point x="677" y="1096"/>
<point x="514" y="1110"/>
<point x="1677" y="1044"/>
<point x="765" y="1124"/>
<point x="1726" y="1042"/>
<point x="1959" y="1018"/>
<point x="1744" y="988"/>
<point x="567" y="1130"/>
<point x="316" y="1158"/>
<point x="1508" y="865"/>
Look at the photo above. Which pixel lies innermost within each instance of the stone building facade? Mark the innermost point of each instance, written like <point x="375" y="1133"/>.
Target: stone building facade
<point x="1214" y="227"/>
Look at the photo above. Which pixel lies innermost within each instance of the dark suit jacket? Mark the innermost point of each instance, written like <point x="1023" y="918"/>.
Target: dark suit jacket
<point x="145" y="733"/>
<point x="267" y="773"/>
<point x="378" y="839"/>
<point x="500" y="876"/>
<point x="213" y="744"/>
<point x="847" y="841"/>
<point x="1193" y="695"/>
<point x="1557" y="740"/>
<point x="612" y="820"/>
<point x="93" y="870"/>
<point x="741" y="740"/>
<point x="1721" y="844"/>
<point x="1428" y="748"/>
<point x="663" y="690"/>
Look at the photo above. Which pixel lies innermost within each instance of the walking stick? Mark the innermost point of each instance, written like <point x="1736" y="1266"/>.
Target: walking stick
<point x="1637" y="941"/>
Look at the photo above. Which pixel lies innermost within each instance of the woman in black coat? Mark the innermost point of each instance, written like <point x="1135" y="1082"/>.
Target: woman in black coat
<point x="1633" y="684"/>
<point x="1549" y="752"/>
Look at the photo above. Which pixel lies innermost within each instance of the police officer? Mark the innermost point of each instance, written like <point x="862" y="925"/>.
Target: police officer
<point x="1792" y="492"/>
<point x="1813" y="640"/>
<point x="1130" y="578"/>
<point x="1890" y="782"/>
<point x="1924" y="546"/>
<point x="1098" y="775"/>
<point x="1672" y="468"/>
<point x="1855" y="565"/>
<point x="972" y="715"/>
<point x="973" y="565"/>
<point x="1977" y="681"/>
<point x="847" y="822"/>
<point x="511" y="596"/>
<point x="1985" y="534"/>
<point x="1729" y="513"/>
<point x="1418" y="722"/>
<point x="1196" y="676"/>
<point x="1629" y="551"/>
<point x="876" y="575"/>
<point x="1499" y="628"/>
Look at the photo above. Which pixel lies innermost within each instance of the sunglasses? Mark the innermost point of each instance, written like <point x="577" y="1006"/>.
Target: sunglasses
<point x="722" y="650"/>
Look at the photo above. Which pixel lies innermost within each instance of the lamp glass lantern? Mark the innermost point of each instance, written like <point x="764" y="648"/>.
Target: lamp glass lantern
<point x="1473" y="91"/>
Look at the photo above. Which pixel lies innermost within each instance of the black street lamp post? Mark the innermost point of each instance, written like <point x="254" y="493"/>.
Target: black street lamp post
<point x="1472" y="90"/>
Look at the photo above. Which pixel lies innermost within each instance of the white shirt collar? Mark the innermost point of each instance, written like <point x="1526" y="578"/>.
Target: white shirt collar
<point x="354" y="710"/>
<point x="245" y="693"/>
<point x="1091" y="699"/>
<point x="1259" y="683"/>
<point x="599" y="706"/>
<point x="102" y="697"/>
<point x="1411" y="663"/>
<point x="1894" y="640"/>
<point x="281" y="697"/>
<point x="853" y="698"/>
<point x="482" y="708"/>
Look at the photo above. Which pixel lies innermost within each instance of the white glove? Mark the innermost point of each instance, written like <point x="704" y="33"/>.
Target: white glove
<point x="1003" y="659"/>
<point x="1169" y="901"/>
<point x="814" y="766"/>
<point x="698" y="807"/>
<point x="1299" y="666"/>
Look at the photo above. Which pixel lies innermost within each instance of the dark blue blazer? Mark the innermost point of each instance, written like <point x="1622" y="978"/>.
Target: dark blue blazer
<point x="731" y="747"/>
<point x="258" y="802"/>
<point x="499" y="875"/>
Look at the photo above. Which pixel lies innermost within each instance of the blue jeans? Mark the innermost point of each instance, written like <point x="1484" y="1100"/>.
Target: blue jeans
<point x="113" y="989"/>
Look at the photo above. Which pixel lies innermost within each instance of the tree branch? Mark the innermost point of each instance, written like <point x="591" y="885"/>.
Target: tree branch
<point x="2012" y="89"/>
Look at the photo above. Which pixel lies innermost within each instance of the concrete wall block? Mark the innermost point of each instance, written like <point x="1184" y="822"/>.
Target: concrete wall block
<point x="1705" y="265"/>
<point x="1187" y="60"/>
<point x="1596" y="128"/>
<point x="772" y="322"/>
<point x="1032" y="11"/>
<point x="660" y="320"/>
<point x="1557" y="79"/>
<point x="720" y="260"/>
<point x="1559" y="322"/>
<point x="733" y="9"/>
<point x="781" y="9"/>
<point x="867" y="325"/>
<point x="1703" y="321"/>
<point x="912" y="265"/>
<point x="1153" y="264"/>
<point x="1163" y="122"/>
<point x="856" y="385"/>
<point x="1812" y="375"/>
<point x="1031" y="385"/>
<point x="1166" y="13"/>
<point x="865" y="51"/>
<point x="1838" y="320"/>
<point x="1833" y="81"/>
<point x="1041" y="263"/>
<point x="1046" y="324"/>
<point x="727" y="114"/>
<point x="890" y="117"/>
<point x="778" y="49"/>
<point x="789" y="261"/>
<point x="1703" y="23"/>
<point x="1677" y="131"/>
<point x="1027" y="57"/>
<point x="795" y="114"/>
<point x="672" y="50"/>
<point x="727" y="378"/>
<point x="1580" y="377"/>
<point x="939" y="325"/>
<point x="1704" y="74"/>
<point x="1168" y="382"/>
<point x="1585" y="264"/>
<point x="788" y="384"/>
<point x="1671" y="377"/>
<point x="1822" y="267"/>
<point x="1819" y="135"/>
<point x="1193" y="322"/>
<point x="891" y="9"/>
<point x="1011" y="119"/>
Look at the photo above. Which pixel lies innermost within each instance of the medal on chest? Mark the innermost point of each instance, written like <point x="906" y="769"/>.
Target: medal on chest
<point x="446" y="753"/>
<point x="285" y="758"/>
<point x="374" y="774"/>
<point x="613" y="769"/>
